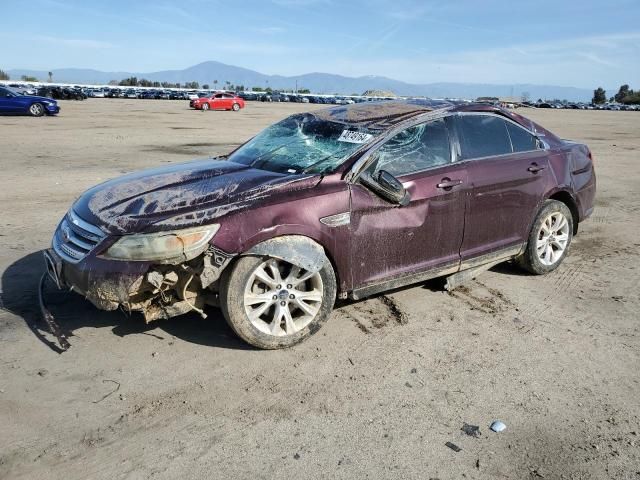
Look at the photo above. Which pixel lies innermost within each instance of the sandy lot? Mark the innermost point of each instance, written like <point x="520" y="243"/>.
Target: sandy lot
<point x="556" y="358"/>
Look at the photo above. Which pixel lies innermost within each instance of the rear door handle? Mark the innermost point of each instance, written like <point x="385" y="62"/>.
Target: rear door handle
<point x="447" y="183"/>
<point x="535" y="168"/>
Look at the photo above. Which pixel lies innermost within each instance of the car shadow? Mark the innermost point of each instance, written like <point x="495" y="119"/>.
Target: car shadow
<point x="72" y="312"/>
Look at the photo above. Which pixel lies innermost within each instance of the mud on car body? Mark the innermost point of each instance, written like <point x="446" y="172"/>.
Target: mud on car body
<point x="347" y="201"/>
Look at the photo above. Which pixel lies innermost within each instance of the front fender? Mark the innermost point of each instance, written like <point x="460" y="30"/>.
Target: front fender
<point x="296" y="249"/>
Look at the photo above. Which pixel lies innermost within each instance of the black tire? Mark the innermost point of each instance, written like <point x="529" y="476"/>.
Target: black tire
<point x="235" y="107"/>
<point x="205" y="107"/>
<point x="232" y="288"/>
<point x="36" y="110"/>
<point x="530" y="260"/>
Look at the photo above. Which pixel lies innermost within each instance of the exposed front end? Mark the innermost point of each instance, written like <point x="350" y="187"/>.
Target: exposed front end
<point x="158" y="283"/>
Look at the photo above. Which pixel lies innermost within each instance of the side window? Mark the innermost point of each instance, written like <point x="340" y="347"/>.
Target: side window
<point x="414" y="149"/>
<point x="3" y="93"/>
<point x="483" y="136"/>
<point x="226" y="95"/>
<point x="219" y="95"/>
<point x="521" y="140"/>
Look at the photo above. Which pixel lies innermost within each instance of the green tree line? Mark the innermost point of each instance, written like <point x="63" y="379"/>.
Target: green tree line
<point x="625" y="95"/>
<point x="143" y="82"/>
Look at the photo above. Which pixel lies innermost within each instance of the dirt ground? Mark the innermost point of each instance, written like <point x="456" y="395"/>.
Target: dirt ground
<point x="376" y="394"/>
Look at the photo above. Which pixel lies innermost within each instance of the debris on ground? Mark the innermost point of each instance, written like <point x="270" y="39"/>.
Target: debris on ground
<point x="453" y="447"/>
<point x="471" y="430"/>
<point x="498" y="426"/>
<point x="111" y="392"/>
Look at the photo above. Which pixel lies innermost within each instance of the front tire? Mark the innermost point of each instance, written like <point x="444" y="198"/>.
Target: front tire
<point x="36" y="110"/>
<point x="271" y="303"/>
<point x="235" y="107"/>
<point x="205" y="107"/>
<point x="549" y="239"/>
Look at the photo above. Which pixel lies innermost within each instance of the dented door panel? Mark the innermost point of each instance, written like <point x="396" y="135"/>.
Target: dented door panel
<point x="390" y="241"/>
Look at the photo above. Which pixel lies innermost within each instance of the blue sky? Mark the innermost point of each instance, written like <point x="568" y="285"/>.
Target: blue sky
<point x="582" y="43"/>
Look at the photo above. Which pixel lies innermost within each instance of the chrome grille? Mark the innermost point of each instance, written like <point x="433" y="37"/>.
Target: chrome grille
<point x="75" y="238"/>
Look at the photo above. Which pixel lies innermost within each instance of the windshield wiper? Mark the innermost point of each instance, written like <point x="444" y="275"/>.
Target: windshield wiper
<point x="270" y="152"/>
<point x="324" y="159"/>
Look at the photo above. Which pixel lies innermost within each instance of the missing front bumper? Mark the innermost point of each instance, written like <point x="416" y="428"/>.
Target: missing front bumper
<point x="156" y="291"/>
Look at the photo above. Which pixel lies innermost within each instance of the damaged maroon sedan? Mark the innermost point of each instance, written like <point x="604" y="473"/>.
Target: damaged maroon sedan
<point x="345" y="202"/>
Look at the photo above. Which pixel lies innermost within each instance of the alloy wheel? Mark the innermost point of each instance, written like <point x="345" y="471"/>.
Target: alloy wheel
<point x="36" y="109"/>
<point x="281" y="299"/>
<point x="553" y="238"/>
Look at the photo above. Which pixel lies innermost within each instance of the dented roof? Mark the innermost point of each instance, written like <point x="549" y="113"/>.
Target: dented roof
<point x="380" y="115"/>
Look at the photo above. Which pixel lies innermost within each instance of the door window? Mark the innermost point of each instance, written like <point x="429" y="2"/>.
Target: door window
<point x="415" y="149"/>
<point x="521" y="140"/>
<point x="483" y="136"/>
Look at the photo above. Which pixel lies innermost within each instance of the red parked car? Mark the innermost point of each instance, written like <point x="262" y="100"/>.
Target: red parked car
<point x="218" y="101"/>
<point x="343" y="202"/>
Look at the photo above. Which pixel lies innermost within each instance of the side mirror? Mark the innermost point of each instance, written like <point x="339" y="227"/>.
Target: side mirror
<point x="387" y="186"/>
<point x="393" y="188"/>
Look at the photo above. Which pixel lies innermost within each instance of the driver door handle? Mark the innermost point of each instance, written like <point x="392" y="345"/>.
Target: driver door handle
<point x="535" y="168"/>
<point x="447" y="183"/>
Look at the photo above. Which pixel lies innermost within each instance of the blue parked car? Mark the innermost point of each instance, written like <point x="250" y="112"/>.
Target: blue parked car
<point x="12" y="103"/>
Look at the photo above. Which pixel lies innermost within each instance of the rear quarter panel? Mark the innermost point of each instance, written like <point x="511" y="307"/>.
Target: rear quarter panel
<point x="582" y="176"/>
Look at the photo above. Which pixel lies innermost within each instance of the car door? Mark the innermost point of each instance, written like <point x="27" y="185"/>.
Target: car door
<point x="217" y="102"/>
<point x="508" y="173"/>
<point x="228" y="101"/>
<point x="389" y="241"/>
<point x="8" y="103"/>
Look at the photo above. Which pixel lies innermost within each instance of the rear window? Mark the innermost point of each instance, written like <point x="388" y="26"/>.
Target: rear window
<point x="483" y="136"/>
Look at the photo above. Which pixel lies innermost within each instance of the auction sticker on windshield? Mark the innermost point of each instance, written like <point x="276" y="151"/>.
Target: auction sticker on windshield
<point x="354" y="137"/>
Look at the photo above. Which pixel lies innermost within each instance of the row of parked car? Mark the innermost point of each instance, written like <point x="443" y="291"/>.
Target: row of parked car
<point x="78" y="92"/>
<point x="584" y="106"/>
<point x="62" y="92"/>
<point x="57" y="92"/>
<point x="169" y="94"/>
<point x="153" y="94"/>
<point x="291" y="97"/>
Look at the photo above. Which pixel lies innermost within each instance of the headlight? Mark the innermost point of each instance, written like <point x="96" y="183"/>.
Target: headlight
<point x="163" y="247"/>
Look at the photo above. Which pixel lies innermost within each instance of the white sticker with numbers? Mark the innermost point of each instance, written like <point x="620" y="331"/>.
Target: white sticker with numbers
<point x="354" y="137"/>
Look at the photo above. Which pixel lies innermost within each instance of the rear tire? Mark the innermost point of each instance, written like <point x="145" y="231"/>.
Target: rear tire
<point x="549" y="240"/>
<point x="270" y="303"/>
<point x="36" y="110"/>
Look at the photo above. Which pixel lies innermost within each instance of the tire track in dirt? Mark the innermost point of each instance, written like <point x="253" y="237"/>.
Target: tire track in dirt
<point x="375" y="313"/>
<point x="493" y="302"/>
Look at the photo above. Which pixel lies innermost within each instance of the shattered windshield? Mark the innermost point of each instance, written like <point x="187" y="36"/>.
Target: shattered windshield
<point x="302" y="144"/>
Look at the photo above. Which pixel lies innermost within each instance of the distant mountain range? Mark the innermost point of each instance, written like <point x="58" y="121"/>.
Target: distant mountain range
<point x="206" y="72"/>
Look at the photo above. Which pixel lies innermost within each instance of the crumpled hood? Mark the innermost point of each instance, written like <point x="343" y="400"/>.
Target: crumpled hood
<point x="182" y="195"/>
